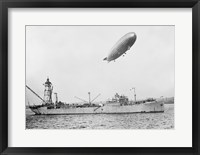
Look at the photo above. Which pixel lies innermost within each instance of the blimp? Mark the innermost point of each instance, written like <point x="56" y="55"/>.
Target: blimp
<point x="122" y="46"/>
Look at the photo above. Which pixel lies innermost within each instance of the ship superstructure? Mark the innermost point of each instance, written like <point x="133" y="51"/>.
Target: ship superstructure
<point x="118" y="105"/>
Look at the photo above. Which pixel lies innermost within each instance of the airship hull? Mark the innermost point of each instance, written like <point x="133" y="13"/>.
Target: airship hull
<point x="123" y="45"/>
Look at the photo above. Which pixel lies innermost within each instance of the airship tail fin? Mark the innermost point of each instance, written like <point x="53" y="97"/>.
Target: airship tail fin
<point x="105" y="58"/>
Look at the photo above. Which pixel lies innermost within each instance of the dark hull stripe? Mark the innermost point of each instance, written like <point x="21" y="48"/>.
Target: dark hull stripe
<point x="103" y="113"/>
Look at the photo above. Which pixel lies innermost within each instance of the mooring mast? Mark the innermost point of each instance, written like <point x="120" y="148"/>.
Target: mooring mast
<point x="48" y="92"/>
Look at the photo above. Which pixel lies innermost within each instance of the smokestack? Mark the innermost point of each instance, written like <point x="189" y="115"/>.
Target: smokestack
<point x="56" y="97"/>
<point x="89" y="97"/>
<point x="134" y="95"/>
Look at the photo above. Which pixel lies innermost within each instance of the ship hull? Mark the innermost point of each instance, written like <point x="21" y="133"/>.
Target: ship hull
<point x="149" y="107"/>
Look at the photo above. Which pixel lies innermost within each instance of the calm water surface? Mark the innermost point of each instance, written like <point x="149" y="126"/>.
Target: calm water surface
<point x="103" y="121"/>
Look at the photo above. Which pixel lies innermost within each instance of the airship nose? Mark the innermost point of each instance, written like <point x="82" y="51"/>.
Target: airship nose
<point x="132" y="34"/>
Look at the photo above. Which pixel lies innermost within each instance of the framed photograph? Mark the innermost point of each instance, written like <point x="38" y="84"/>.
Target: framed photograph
<point x="88" y="77"/>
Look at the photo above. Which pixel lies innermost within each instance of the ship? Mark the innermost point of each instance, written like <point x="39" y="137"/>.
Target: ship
<point x="119" y="104"/>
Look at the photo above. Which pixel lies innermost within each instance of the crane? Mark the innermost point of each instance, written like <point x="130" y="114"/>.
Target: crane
<point x="35" y="93"/>
<point x="90" y="102"/>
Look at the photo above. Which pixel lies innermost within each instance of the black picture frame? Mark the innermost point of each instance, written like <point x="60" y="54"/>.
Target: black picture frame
<point x="6" y="4"/>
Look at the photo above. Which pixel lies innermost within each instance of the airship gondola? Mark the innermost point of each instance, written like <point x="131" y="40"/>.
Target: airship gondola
<point x="123" y="45"/>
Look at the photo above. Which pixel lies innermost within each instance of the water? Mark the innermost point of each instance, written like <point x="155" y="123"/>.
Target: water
<point x="103" y="121"/>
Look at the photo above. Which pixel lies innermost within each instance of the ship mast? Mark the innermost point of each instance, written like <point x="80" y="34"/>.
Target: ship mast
<point x="134" y="93"/>
<point x="89" y="97"/>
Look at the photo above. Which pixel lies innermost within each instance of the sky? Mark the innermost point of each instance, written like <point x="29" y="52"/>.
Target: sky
<point x="72" y="58"/>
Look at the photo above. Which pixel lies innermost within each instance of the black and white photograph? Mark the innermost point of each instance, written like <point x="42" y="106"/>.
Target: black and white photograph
<point x="100" y="77"/>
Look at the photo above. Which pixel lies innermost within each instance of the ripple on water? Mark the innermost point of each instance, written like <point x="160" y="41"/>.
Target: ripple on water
<point x="104" y="121"/>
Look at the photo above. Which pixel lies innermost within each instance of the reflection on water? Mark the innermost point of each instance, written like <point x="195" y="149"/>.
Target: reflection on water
<point x="103" y="121"/>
